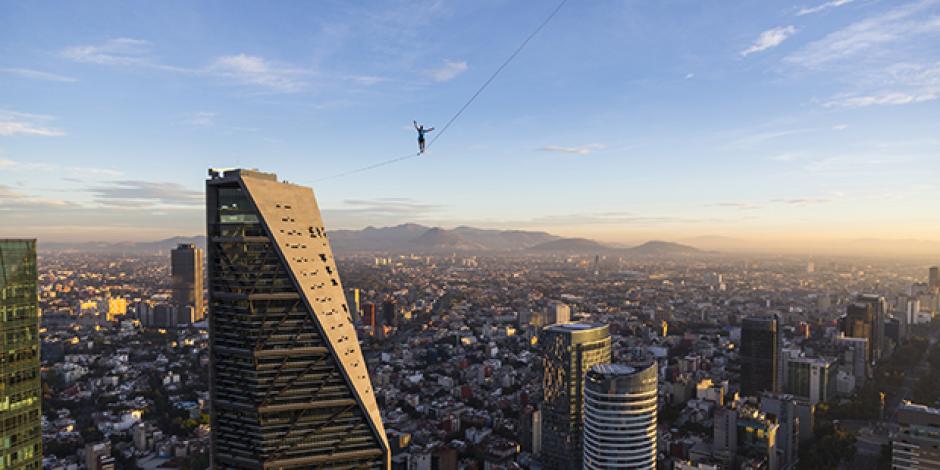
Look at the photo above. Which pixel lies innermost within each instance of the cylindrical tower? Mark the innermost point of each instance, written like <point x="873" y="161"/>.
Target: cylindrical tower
<point x="620" y="417"/>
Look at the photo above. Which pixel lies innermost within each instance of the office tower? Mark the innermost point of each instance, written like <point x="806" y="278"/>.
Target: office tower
<point x="186" y="272"/>
<point x="858" y="322"/>
<point x="20" y="390"/>
<point x="569" y="351"/>
<point x="368" y="316"/>
<point x="745" y="438"/>
<point x="98" y="456"/>
<point x="620" y="417"/>
<point x="934" y="279"/>
<point x="389" y="313"/>
<point x="725" y="434"/>
<point x="809" y="378"/>
<point x="352" y="299"/>
<point x="879" y="310"/>
<point x="855" y="356"/>
<point x="785" y="410"/>
<point x="558" y="312"/>
<point x="288" y="382"/>
<point x="760" y="353"/>
<point x="531" y="430"/>
<point x="917" y="445"/>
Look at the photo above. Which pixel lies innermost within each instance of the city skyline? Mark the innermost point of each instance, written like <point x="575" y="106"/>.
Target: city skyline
<point x="794" y="129"/>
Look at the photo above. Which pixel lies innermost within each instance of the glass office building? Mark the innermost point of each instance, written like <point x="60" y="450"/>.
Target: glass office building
<point x="20" y="388"/>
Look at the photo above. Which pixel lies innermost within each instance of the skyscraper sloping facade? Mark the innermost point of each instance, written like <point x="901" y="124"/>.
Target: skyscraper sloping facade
<point x="569" y="351"/>
<point x="289" y="383"/>
<point x="20" y="389"/>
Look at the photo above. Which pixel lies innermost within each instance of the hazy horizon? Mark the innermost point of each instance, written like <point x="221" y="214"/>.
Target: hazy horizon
<point x="724" y="243"/>
<point x="800" y="128"/>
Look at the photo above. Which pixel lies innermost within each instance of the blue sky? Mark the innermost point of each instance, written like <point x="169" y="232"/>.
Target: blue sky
<point x="622" y="120"/>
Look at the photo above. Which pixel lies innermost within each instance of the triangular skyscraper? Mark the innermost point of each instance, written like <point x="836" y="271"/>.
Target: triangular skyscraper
<point x="290" y="388"/>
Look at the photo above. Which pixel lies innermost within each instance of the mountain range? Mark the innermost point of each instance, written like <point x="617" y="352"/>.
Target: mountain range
<point x="415" y="238"/>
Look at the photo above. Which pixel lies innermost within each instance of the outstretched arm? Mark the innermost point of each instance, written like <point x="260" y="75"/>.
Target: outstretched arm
<point x="416" y="124"/>
<point x="429" y="130"/>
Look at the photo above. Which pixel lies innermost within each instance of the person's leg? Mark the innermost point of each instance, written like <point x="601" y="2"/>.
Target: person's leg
<point x="421" y="145"/>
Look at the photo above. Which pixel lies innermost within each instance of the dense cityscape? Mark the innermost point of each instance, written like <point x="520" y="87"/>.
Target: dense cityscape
<point x="541" y="360"/>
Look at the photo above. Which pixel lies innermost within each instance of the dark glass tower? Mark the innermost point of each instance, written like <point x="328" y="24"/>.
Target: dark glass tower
<point x="186" y="272"/>
<point x="569" y="351"/>
<point x="879" y="310"/>
<point x="857" y="323"/>
<point x="20" y="389"/>
<point x="760" y="354"/>
<point x="289" y="383"/>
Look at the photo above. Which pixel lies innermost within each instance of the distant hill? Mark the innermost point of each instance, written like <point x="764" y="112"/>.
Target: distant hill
<point x="661" y="248"/>
<point x="123" y="247"/>
<point x="371" y="238"/>
<point x="438" y="239"/>
<point x="415" y="238"/>
<point x="572" y="246"/>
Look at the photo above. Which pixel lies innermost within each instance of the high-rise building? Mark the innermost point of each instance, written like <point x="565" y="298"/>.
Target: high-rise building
<point x="368" y="316"/>
<point x="288" y="381"/>
<point x="186" y="272"/>
<point x="98" y="456"/>
<point x="20" y="390"/>
<point x="745" y="438"/>
<point x="569" y="351"/>
<point x="858" y="322"/>
<point x="759" y="354"/>
<point x="934" y="277"/>
<point x="880" y="312"/>
<point x="389" y="313"/>
<point x="915" y="446"/>
<point x="786" y="410"/>
<point x="855" y="357"/>
<point x="353" y="300"/>
<point x="558" y="312"/>
<point x="810" y="378"/>
<point x="620" y="417"/>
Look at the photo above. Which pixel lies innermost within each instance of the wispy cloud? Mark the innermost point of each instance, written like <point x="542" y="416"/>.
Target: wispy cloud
<point x="904" y="83"/>
<point x="822" y="7"/>
<point x="769" y="39"/>
<point x="367" y="80"/>
<point x="13" y="200"/>
<point x="867" y="36"/>
<point x="14" y="123"/>
<point x="38" y="75"/>
<point x="744" y="206"/>
<point x="33" y="167"/>
<point x="131" y="193"/>
<point x="128" y="52"/>
<point x="254" y="70"/>
<point x="803" y="201"/>
<point x="448" y="71"/>
<point x="582" y="150"/>
<point x="749" y="206"/>
<point x="389" y="205"/>
<point x="379" y="211"/>
<point x="239" y="68"/>
<point x="201" y="119"/>
<point x="888" y="59"/>
<point x="612" y="218"/>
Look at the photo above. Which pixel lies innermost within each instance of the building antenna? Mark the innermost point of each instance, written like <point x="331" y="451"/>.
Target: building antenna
<point x="462" y="108"/>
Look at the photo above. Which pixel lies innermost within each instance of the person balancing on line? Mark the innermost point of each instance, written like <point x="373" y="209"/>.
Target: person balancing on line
<point x="421" y="131"/>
